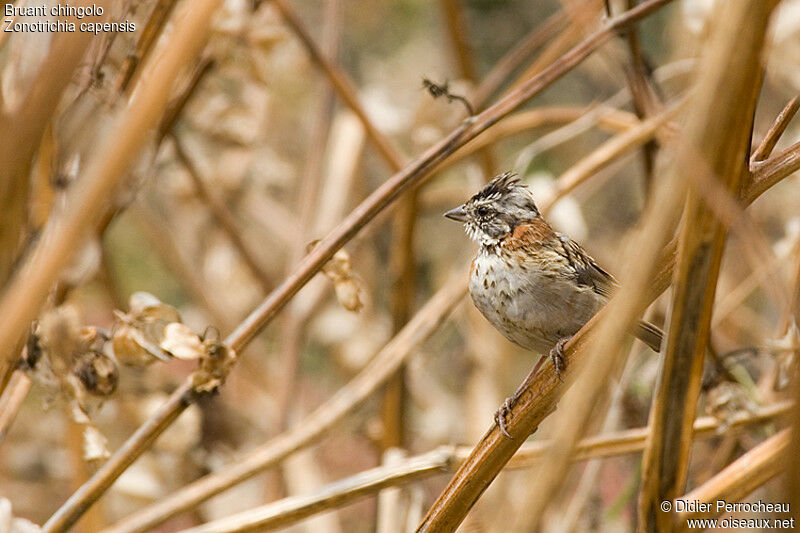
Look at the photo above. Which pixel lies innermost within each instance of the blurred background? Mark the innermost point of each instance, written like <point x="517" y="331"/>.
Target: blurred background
<point x="261" y="158"/>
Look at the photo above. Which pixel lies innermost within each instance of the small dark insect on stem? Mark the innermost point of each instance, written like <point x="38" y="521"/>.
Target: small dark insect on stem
<point x="438" y="90"/>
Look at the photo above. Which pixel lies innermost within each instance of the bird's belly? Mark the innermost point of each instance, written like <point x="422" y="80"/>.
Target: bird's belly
<point x="531" y="308"/>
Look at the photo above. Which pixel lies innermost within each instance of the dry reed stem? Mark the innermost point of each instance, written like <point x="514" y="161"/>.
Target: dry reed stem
<point x="11" y="400"/>
<point x="382" y="366"/>
<point x="739" y="478"/>
<point x="223" y="216"/>
<point x="642" y="89"/>
<point x="716" y="138"/>
<point x="444" y="459"/>
<point x="607" y="153"/>
<point x="309" y="193"/>
<point x="776" y="130"/>
<point x="380" y="199"/>
<point x="147" y="38"/>
<point x="403" y="278"/>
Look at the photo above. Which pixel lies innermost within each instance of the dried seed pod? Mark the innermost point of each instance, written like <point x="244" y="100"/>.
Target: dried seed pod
<point x="97" y="372"/>
<point x="139" y="334"/>
<point x="215" y="364"/>
<point x="346" y="284"/>
<point x="131" y="348"/>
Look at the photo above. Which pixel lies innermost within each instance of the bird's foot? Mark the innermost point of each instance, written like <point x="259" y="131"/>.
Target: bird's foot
<point x="557" y="356"/>
<point x="501" y="414"/>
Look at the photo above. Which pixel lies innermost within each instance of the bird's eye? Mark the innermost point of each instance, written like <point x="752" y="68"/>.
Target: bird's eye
<point x="482" y="211"/>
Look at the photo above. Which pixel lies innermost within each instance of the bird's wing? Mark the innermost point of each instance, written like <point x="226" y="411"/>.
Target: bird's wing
<point x="588" y="273"/>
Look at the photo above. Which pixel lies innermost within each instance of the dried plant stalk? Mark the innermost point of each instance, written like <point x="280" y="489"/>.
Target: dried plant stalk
<point x="715" y="142"/>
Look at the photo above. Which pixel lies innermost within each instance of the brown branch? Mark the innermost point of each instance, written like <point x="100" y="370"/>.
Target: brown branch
<point x="11" y="400"/>
<point x="738" y="479"/>
<point x="147" y="38"/>
<point x="380" y="199"/>
<point x="776" y="130"/>
<point x="444" y="459"/>
<point x="717" y="138"/>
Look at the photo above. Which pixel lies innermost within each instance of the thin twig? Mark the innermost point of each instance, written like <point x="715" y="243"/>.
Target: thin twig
<point x="458" y="31"/>
<point x="776" y="130"/>
<point x="147" y="37"/>
<point x="609" y="152"/>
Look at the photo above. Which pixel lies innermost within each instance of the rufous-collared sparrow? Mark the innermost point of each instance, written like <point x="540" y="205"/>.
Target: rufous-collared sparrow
<point x="535" y="285"/>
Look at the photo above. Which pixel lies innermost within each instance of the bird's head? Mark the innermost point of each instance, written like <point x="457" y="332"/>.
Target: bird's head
<point x="496" y="210"/>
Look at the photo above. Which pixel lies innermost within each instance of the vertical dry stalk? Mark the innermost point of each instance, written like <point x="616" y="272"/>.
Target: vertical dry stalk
<point x="739" y="478"/>
<point x="715" y="141"/>
<point x="403" y="288"/>
<point x="155" y="23"/>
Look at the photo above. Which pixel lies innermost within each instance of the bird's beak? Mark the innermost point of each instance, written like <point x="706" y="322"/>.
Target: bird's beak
<point x="458" y="214"/>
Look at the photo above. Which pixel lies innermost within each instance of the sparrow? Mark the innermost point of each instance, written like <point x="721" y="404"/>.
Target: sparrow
<point x="535" y="285"/>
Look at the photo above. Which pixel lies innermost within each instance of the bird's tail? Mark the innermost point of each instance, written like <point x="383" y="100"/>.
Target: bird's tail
<point x="649" y="334"/>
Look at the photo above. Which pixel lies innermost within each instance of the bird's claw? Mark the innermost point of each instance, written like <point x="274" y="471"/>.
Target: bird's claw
<point x="501" y="414"/>
<point x="557" y="356"/>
